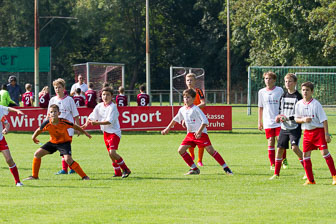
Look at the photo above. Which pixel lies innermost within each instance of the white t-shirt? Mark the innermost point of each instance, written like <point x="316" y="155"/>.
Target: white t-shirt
<point x="83" y="87"/>
<point x="67" y="108"/>
<point x="193" y="118"/>
<point x="312" y="109"/>
<point x="269" y="100"/>
<point x="3" y="112"/>
<point x="107" y="113"/>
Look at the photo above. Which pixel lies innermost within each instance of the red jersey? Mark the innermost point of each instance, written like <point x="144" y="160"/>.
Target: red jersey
<point x="79" y="101"/>
<point x="121" y="100"/>
<point x="90" y="98"/>
<point x="59" y="132"/>
<point x="143" y="99"/>
<point x="44" y="100"/>
<point x="26" y="99"/>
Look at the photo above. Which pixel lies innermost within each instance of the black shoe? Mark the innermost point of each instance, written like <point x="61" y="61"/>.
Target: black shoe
<point x="228" y="171"/>
<point x="115" y="175"/>
<point x="126" y="173"/>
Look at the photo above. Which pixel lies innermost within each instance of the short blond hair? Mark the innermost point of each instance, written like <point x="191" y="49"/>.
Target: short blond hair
<point x="191" y="75"/>
<point x="291" y="75"/>
<point x="121" y="89"/>
<point x="28" y="86"/>
<point x="270" y="74"/>
<point x="59" y="81"/>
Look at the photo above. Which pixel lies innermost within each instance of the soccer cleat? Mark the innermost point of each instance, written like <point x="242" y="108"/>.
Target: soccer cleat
<point x="126" y="173"/>
<point x="19" y="184"/>
<point x="272" y="167"/>
<point x="71" y="171"/>
<point x="86" y="178"/>
<point x="285" y="163"/>
<point x="61" y="172"/>
<point x="115" y="175"/>
<point x="31" y="178"/>
<point x="334" y="180"/>
<point x="274" y="177"/>
<point x="193" y="172"/>
<point x="308" y="183"/>
<point x="228" y="171"/>
<point x="200" y="164"/>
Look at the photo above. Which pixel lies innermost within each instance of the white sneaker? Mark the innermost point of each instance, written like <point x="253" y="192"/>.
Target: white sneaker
<point x="19" y="184"/>
<point x="274" y="177"/>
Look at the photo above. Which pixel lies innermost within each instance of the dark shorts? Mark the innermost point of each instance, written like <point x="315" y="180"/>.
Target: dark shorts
<point x="63" y="148"/>
<point x="289" y="135"/>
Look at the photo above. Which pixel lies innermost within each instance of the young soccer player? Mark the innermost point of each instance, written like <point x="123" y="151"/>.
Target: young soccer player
<point x="290" y="130"/>
<point x="68" y="110"/>
<point x="268" y="109"/>
<point x="60" y="140"/>
<point x="3" y="144"/>
<point x="196" y="123"/>
<point x="91" y="97"/>
<point x="44" y="97"/>
<point x="142" y="97"/>
<point x="28" y="97"/>
<point x="310" y="114"/>
<point x="121" y="99"/>
<point x="106" y="115"/>
<point x="200" y="102"/>
<point x="79" y="100"/>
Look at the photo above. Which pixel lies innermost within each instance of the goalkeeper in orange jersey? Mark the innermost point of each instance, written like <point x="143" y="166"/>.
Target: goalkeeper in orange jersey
<point x="200" y="102"/>
<point x="59" y="141"/>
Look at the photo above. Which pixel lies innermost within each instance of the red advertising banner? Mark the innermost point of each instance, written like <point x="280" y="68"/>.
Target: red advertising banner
<point x="130" y="118"/>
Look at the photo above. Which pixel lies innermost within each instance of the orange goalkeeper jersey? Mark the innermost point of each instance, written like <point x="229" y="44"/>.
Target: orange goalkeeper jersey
<point x="59" y="132"/>
<point x="199" y="97"/>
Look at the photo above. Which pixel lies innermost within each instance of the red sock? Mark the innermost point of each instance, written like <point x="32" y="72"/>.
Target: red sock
<point x="307" y="164"/>
<point x="277" y="166"/>
<point x="187" y="158"/>
<point x="301" y="161"/>
<point x="218" y="158"/>
<point x="64" y="165"/>
<point x="330" y="162"/>
<point x="284" y="155"/>
<point x="271" y="155"/>
<point x="122" y="164"/>
<point x="15" y="173"/>
<point x="116" y="168"/>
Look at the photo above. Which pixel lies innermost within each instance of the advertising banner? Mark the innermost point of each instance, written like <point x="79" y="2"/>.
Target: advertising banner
<point x="130" y="118"/>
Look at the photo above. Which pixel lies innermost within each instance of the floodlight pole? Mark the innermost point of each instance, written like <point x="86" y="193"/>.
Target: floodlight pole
<point x="228" y="75"/>
<point x="36" y="54"/>
<point x="148" y="87"/>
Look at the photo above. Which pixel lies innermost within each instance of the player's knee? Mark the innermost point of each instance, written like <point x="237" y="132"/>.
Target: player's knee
<point x="210" y="150"/>
<point x="181" y="150"/>
<point x="69" y="160"/>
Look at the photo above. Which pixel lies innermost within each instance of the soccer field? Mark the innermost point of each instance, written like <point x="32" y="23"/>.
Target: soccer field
<point x="158" y="192"/>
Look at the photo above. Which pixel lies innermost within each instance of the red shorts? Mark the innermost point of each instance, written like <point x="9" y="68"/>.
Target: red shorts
<point x="191" y="140"/>
<point x="3" y="144"/>
<point x="314" y="139"/>
<point x="272" y="132"/>
<point x="111" y="141"/>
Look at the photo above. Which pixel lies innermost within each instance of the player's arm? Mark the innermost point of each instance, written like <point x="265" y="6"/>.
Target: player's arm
<point x="260" y="115"/>
<point x="202" y="104"/>
<point x="301" y="120"/>
<point x="170" y="125"/>
<point x="200" y="130"/>
<point x="7" y="126"/>
<point x="326" y="131"/>
<point x="77" y="128"/>
<point x="36" y="133"/>
<point x="11" y="109"/>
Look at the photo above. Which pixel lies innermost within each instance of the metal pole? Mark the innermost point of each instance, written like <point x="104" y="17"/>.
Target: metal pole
<point x="228" y="83"/>
<point x="148" y="87"/>
<point x="36" y="54"/>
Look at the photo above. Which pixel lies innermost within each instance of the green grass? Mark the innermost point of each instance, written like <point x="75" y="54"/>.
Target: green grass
<point x="158" y="192"/>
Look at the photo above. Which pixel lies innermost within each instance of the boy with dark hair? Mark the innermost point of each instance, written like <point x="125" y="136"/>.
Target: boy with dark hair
<point x="106" y="115"/>
<point x="60" y="140"/>
<point x="142" y="97"/>
<point x="196" y="123"/>
<point x="79" y="100"/>
<point x="310" y="114"/>
<point x="91" y="97"/>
